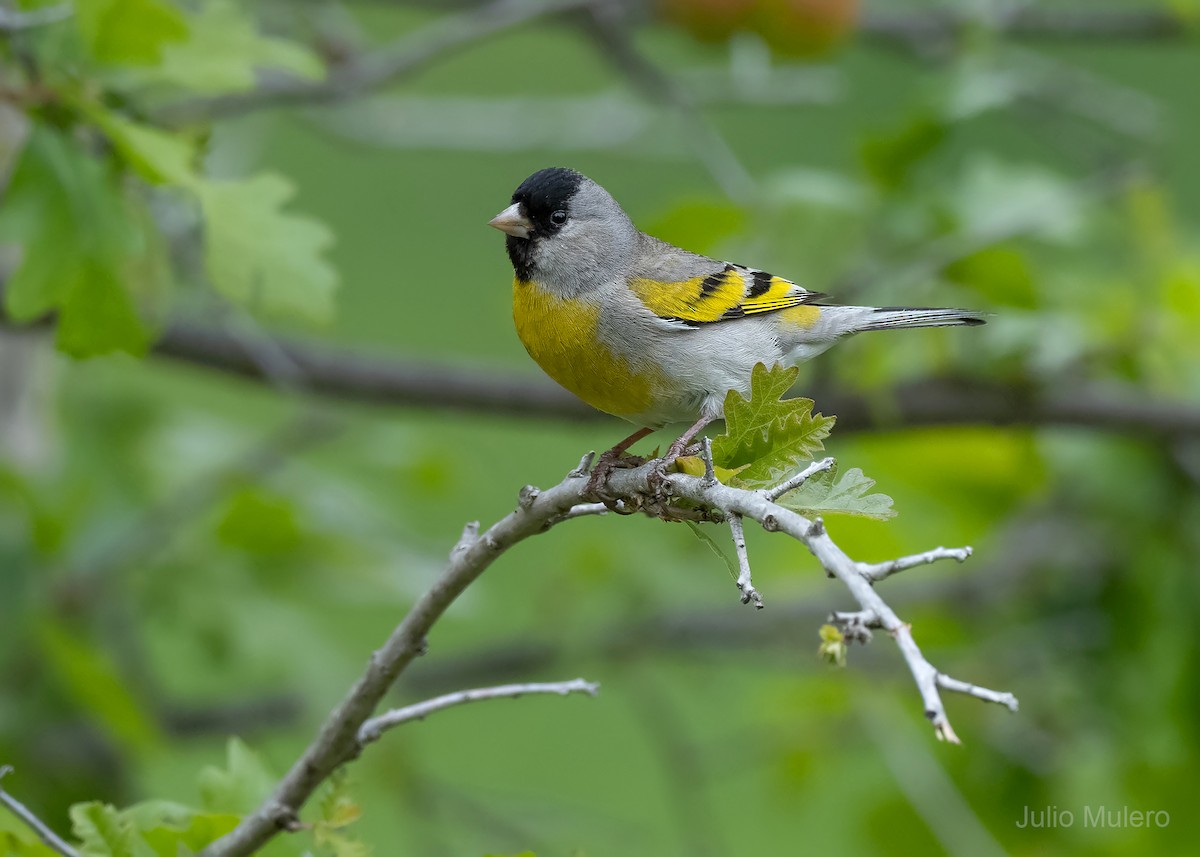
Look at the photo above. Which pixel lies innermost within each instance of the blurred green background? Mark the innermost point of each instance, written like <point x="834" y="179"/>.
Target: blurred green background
<point x="186" y="556"/>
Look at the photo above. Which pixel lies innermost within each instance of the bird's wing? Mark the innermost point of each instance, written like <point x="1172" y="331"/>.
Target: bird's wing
<point x="679" y="293"/>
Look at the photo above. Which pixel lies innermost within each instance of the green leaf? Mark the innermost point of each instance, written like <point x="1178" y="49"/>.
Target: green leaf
<point x="261" y="257"/>
<point x="1000" y="273"/>
<point x="171" y="829"/>
<point x="129" y="32"/>
<point x="13" y="845"/>
<point x="92" y="680"/>
<point x="699" y="224"/>
<point x="81" y="245"/>
<point x="157" y="156"/>
<point x="104" y="833"/>
<point x="839" y="493"/>
<point x="225" y="51"/>
<point x="260" y="522"/>
<point x="767" y="439"/>
<point x="891" y="158"/>
<point x="240" y="786"/>
<point x="98" y="315"/>
<point x="833" y="646"/>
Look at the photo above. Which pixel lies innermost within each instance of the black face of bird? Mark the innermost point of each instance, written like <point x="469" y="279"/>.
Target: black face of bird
<point x="540" y="208"/>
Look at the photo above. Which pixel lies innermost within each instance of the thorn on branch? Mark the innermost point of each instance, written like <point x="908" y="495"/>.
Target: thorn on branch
<point x="584" y="467"/>
<point x="527" y="496"/>
<point x="469" y="535"/>
<point x="710" y="473"/>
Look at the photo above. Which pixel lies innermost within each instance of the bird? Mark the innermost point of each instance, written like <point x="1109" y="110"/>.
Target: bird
<point x="652" y="333"/>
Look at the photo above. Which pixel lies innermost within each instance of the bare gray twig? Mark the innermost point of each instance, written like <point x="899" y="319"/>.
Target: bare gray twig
<point x="744" y="584"/>
<point x="409" y="55"/>
<point x="799" y="479"/>
<point x="374" y="728"/>
<point x="340" y="738"/>
<point x="881" y="570"/>
<point x="610" y="28"/>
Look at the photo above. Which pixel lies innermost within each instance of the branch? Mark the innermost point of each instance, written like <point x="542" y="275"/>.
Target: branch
<point x="934" y="31"/>
<point x="799" y="479"/>
<point x="374" y="728"/>
<point x="348" y="727"/>
<point x="407" y="56"/>
<point x="610" y="29"/>
<point x="337" y="742"/>
<point x="44" y="833"/>
<point x="12" y="20"/>
<point x="744" y="584"/>
<point x="359" y="376"/>
<point x="882" y="570"/>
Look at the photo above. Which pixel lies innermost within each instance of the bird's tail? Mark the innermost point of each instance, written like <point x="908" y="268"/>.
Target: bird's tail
<point x="899" y="317"/>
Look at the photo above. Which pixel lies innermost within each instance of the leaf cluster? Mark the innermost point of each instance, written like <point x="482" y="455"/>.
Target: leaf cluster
<point x="91" y="177"/>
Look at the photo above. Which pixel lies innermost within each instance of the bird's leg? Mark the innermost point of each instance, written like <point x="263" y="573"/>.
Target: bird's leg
<point x="680" y="444"/>
<point x="609" y="460"/>
<point x="676" y="449"/>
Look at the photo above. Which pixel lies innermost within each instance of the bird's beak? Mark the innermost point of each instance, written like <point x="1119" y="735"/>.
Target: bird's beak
<point x="512" y="221"/>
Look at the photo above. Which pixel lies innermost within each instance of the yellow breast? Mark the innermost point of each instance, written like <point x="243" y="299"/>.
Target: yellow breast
<point x="560" y="334"/>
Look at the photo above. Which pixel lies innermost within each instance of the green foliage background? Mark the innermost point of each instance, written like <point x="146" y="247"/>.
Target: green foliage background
<point x="185" y="557"/>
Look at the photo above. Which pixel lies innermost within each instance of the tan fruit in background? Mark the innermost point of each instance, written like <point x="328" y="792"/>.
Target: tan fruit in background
<point x="805" y="28"/>
<point x="709" y="20"/>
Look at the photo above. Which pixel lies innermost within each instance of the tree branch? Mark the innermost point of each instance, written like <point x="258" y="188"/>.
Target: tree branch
<point x="934" y="31"/>
<point x="51" y="839"/>
<point x="409" y="55"/>
<point x="12" y="20"/>
<point x="882" y="570"/>
<point x="643" y="488"/>
<point x="376" y="379"/>
<point x="374" y="728"/>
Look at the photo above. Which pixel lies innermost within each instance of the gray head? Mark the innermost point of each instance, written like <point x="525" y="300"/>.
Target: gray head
<point x="566" y="232"/>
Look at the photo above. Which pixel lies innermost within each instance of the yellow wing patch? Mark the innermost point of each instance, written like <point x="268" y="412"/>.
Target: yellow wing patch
<point x="731" y="293"/>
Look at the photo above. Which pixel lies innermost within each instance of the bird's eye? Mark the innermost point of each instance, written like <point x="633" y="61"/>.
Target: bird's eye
<point x="558" y="218"/>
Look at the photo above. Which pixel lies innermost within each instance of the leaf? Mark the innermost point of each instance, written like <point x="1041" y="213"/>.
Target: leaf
<point x="80" y="248"/>
<point x="240" y="786"/>
<point x="839" y="493"/>
<point x="261" y="257"/>
<point x="833" y="646"/>
<point x="699" y="223"/>
<point x="225" y="50"/>
<point x="891" y="158"/>
<point x="693" y="465"/>
<point x="103" y="833"/>
<point x="92" y="680"/>
<point x="128" y="32"/>
<point x="767" y="439"/>
<point x="12" y="845"/>
<point x="1000" y="273"/>
<point x="259" y="521"/>
<point x="157" y="156"/>
<point x="191" y="833"/>
<point x="98" y="315"/>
